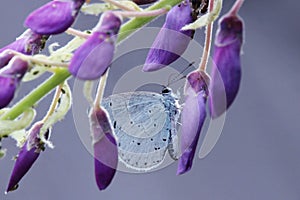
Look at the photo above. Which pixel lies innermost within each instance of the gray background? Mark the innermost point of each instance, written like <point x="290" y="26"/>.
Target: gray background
<point x="257" y="156"/>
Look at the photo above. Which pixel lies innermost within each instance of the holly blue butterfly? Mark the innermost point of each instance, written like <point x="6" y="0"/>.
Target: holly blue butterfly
<point x="145" y="126"/>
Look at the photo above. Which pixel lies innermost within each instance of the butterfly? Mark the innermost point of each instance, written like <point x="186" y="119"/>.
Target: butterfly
<point x="144" y="124"/>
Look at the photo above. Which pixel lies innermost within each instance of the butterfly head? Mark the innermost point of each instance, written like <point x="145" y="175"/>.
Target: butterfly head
<point x="166" y="90"/>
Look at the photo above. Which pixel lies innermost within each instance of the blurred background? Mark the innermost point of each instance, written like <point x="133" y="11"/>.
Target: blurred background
<point x="256" y="157"/>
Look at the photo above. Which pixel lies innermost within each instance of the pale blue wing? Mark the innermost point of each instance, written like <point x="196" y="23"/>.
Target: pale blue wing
<point x="142" y="123"/>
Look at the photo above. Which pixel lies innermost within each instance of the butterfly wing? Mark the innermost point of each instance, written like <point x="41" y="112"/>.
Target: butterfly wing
<point x="142" y="126"/>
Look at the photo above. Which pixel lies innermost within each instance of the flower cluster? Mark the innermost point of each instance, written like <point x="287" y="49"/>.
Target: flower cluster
<point x="88" y="57"/>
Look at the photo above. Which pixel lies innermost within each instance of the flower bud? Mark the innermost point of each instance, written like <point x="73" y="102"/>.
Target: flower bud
<point x="105" y="148"/>
<point x="28" y="43"/>
<point x="91" y="60"/>
<point x="192" y="117"/>
<point x="10" y="77"/>
<point x="54" y="17"/>
<point x="171" y="41"/>
<point x="28" y="154"/>
<point x="226" y="73"/>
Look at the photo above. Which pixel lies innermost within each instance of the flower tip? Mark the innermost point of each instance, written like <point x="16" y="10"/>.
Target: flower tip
<point x="105" y="160"/>
<point x="103" y="180"/>
<point x="185" y="162"/>
<point x="181" y="171"/>
<point x="150" y="67"/>
<point x="11" y="188"/>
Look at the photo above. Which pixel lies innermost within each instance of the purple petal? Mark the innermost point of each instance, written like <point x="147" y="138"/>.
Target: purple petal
<point x="7" y="92"/>
<point x="109" y="23"/>
<point x="91" y="60"/>
<point x="28" y="43"/>
<point x="105" y="148"/>
<point x="192" y="118"/>
<point x="226" y="73"/>
<point x="171" y="41"/>
<point x="4" y="59"/>
<point x="16" y="68"/>
<point x="54" y="17"/>
<point x="27" y="156"/>
<point x="18" y="45"/>
<point x="10" y="77"/>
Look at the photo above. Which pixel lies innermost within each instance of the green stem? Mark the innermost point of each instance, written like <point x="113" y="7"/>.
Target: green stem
<point x="135" y="23"/>
<point x="62" y="74"/>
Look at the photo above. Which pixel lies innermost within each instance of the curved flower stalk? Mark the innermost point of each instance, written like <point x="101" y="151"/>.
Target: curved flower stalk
<point x="226" y="73"/>
<point x="105" y="147"/>
<point x="192" y="117"/>
<point x="91" y="60"/>
<point x="54" y="17"/>
<point x="60" y="106"/>
<point x="13" y="127"/>
<point x="28" y="43"/>
<point x="28" y="154"/>
<point x="10" y="78"/>
<point x="171" y="41"/>
<point x="98" y="8"/>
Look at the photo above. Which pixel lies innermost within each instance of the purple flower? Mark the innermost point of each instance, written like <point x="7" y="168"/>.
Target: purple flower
<point x="171" y="41"/>
<point x="192" y="117"/>
<point x="27" y="156"/>
<point x="28" y="43"/>
<point x="105" y="148"/>
<point x="91" y="60"/>
<point x="54" y="17"/>
<point x="226" y="73"/>
<point x="10" y="77"/>
<point x="142" y="2"/>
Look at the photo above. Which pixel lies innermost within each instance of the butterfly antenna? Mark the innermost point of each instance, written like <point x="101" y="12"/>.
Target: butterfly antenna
<point x="169" y="79"/>
<point x="174" y="80"/>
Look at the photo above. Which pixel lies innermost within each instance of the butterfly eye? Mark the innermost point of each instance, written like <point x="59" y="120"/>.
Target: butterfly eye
<point x="166" y="91"/>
